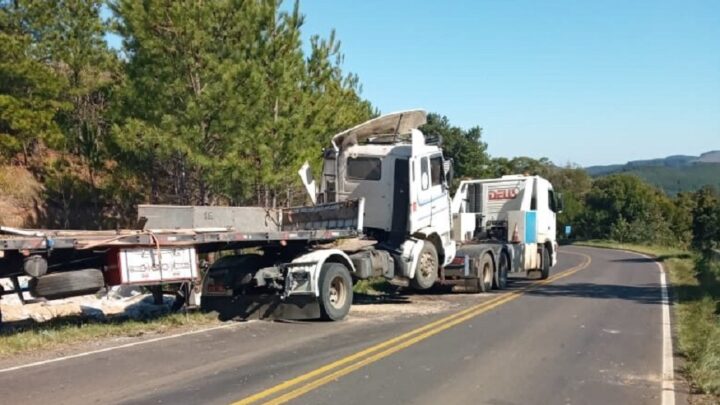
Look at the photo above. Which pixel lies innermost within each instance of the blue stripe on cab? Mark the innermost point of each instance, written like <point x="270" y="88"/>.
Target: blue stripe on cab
<point x="531" y="227"/>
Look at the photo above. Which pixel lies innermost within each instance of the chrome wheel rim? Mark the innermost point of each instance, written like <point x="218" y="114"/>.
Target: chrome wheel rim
<point x="427" y="265"/>
<point x="337" y="292"/>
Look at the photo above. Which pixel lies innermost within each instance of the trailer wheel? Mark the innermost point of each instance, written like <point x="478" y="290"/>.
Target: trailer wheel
<point x="336" y="292"/>
<point x="427" y="268"/>
<point x="67" y="284"/>
<point x="545" y="270"/>
<point x="501" y="275"/>
<point x="485" y="273"/>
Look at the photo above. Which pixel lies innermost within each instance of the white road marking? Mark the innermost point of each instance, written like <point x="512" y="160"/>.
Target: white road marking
<point x="668" y="367"/>
<point x="109" y="349"/>
<point x="668" y="381"/>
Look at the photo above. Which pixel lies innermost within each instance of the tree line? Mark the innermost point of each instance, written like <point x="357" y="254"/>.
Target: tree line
<point x="206" y="103"/>
<point x="619" y="207"/>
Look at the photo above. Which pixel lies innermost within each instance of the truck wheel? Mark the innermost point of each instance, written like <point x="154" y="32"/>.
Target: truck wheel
<point x="336" y="292"/>
<point x="545" y="270"/>
<point x="427" y="268"/>
<point x="68" y="284"/>
<point x="485" y="273"/>
<point x="500" y="281"/>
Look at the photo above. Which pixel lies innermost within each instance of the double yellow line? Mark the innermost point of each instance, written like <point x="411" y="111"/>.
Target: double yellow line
<point x="332" y="371"/>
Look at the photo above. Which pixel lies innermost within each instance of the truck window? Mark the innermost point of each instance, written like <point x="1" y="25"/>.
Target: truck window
<point x="424" y="174"/>
<point x="364" y="168"/>
<point x="436" y="170"/>
<point x="552" y="201"/>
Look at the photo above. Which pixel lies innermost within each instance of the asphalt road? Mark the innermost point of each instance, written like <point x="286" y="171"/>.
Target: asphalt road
<point x="592" y="335"/>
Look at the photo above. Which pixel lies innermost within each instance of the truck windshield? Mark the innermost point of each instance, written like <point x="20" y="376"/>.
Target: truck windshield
<point x="364" y="168"/>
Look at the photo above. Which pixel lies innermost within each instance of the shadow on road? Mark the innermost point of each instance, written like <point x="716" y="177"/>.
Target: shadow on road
<point x="644" y="294"/>
<point x="659" y="259"/>
<point x="370" y="299"/>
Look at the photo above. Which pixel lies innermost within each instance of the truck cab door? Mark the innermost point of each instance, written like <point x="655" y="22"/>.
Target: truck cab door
<point x="422" y="196"/>
<point x="546" y="202"/>
<point x="439" y="194"/>
<point x="430" y="199"/>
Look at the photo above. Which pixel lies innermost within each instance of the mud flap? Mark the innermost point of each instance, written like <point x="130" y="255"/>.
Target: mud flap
<point x="296" y="307"/>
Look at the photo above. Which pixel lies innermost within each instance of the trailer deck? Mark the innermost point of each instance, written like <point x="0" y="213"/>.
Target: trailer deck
<point x="84" y="240"/>
<point x="164" y="228"/>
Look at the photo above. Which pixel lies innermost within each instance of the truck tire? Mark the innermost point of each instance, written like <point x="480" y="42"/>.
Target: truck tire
<point x="336" y="293"/>
<point x="485" y="273"/>
<point x="545" y="269"/>
<point x="501" y="275"/>
<point x="427" y="268"/>
<point x="68" y="284"/>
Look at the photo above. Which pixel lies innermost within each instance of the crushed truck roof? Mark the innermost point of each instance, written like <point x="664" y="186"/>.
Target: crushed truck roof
<point x="401" y="122"/>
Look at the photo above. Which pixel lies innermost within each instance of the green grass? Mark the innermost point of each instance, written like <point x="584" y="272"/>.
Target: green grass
<point x="696" y="288"/>
<point x="74" y="330"/>
<point x="373" y="286"/>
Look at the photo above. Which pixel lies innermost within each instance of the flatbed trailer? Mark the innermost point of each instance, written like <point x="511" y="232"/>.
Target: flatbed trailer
<point x="64" y="263"/>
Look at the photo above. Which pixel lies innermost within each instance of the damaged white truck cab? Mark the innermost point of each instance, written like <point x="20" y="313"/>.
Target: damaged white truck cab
<point x="403" y="180"/>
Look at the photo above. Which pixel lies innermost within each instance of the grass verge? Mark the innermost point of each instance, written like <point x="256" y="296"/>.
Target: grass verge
<point x="373" y="286"/>
<point x="696" y="288"/>
<point x="64" y="332"/>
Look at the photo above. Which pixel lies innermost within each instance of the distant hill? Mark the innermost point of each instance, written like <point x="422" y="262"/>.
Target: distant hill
<point x="672" y="174"/>
<point x="710" y="157"/>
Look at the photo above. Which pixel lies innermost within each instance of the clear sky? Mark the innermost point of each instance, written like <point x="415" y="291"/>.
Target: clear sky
<point x="589" y="82"/>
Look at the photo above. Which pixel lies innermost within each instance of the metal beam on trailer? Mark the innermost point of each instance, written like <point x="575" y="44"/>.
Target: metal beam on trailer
<point x="82" y="240"/>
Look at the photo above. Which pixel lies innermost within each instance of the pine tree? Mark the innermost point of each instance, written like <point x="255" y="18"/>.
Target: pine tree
<point x="192" y="96"/>
<point x="29" y="89"/>
<point x="221" y="104"/>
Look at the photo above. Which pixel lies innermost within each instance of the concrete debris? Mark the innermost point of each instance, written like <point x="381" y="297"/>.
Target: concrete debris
<point x="129" y="301"/>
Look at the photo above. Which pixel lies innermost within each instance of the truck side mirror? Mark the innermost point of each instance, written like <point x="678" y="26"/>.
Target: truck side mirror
<point x="559" y="203"/>
<point x="449" y="171"/>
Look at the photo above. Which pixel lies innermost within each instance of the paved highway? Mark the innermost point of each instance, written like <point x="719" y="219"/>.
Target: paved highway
<point x="593" y="333"/>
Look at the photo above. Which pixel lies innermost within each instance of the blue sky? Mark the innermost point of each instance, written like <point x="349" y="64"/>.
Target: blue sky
<point x="588" y="82"/>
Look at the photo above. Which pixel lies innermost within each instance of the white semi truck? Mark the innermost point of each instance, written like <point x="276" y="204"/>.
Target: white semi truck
<point x="413" y="233"/>
<point x="513" y="219"/>
<point x="382" y="208"/>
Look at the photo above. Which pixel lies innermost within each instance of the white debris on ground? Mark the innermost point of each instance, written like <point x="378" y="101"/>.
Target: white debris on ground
<point x="122" y="300"/>
<point x="404" y="306"/>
